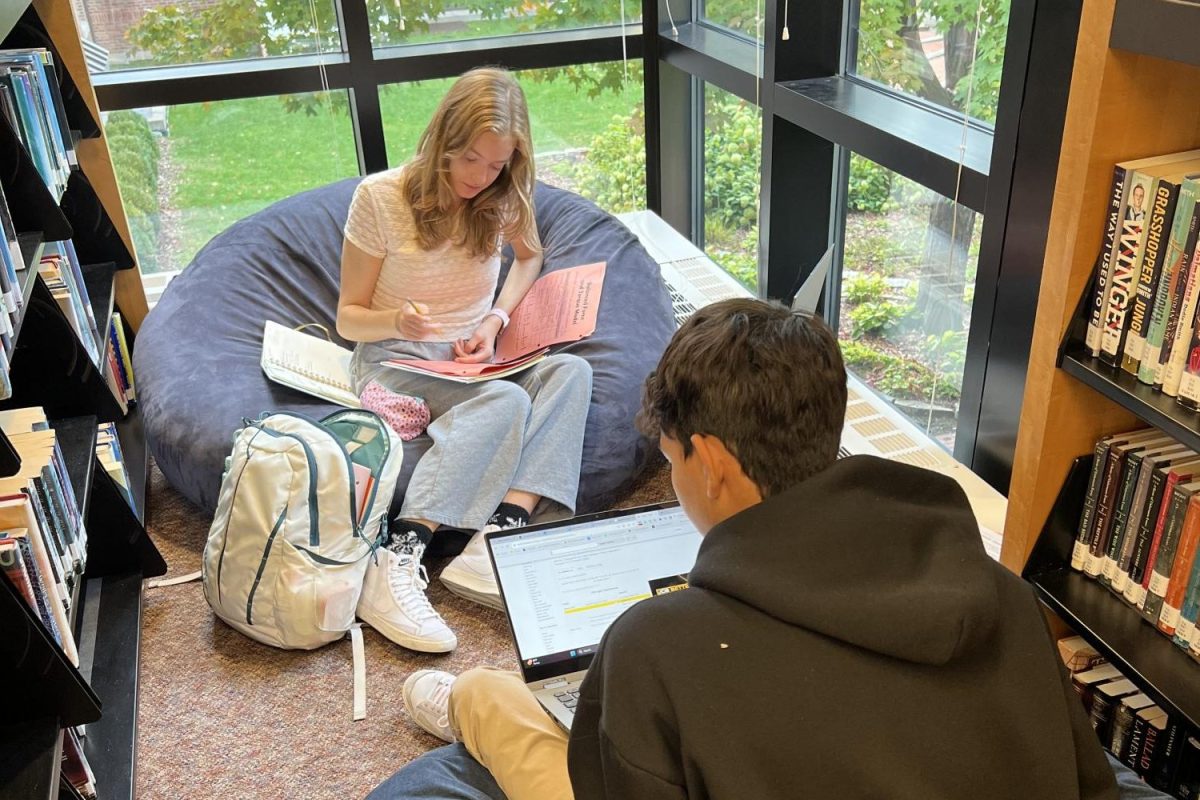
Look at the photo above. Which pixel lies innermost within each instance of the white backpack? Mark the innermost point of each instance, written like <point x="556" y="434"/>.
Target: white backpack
<point x="285" y="557"/>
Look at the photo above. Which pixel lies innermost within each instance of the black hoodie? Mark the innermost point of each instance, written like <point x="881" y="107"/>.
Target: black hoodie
<point x="846" y="638"/>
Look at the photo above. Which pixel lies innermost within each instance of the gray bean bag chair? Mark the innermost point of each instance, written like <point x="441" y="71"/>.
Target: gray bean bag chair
<point x="197" y="355"/>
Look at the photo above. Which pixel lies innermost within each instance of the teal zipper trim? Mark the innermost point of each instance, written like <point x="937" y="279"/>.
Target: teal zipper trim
<point x="314" y="533"/>
<point x="262" y="565"/>
<point x="376" y="474"/>
<point x="225" y="535"/>
<point x="320" y="559"/>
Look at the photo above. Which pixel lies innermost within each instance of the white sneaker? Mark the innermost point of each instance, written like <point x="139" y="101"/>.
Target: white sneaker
<point x="470" y="574"/>
<point x="427" y="701"/>
<point x="393" y="602"/>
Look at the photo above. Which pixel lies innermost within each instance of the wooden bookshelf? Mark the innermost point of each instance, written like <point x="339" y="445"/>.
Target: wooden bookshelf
<point x="1062" y="415"/>
<point x="1133" y="94"/>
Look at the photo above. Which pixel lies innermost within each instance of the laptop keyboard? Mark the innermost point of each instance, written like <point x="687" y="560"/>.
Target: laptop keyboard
<point x="569" y="696"/>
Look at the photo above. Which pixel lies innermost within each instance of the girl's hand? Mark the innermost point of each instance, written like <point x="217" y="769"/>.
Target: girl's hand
<point x="481" y="346"/>
<point x="412" y="324"/>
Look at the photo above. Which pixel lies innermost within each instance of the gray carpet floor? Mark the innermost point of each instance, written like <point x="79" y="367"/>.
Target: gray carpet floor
<point x="221" y="716"/>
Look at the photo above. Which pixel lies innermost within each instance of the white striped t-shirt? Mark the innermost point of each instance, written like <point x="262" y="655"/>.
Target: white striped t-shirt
<point x="457" y="287"/>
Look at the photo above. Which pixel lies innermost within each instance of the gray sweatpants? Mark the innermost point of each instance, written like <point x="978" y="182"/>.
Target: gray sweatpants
<point x="523" y="432"/>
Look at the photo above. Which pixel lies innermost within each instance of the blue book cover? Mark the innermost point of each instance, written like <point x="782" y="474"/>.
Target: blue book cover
<point x="33" y="135"/>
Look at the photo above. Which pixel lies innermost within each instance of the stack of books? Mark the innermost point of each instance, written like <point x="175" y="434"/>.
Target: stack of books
<point x="1139" y="530"/>
<point x="108" y="452"/>
<point x="63" y="275"/>
<point x="43" y="539"/>
<point x="32" y="109"/>
<point x="32" y="106"/>
<point x="1141" y="314"/>
<point x="119" y="369"/>
<point x="1158" y="747"/>
<point x="43" y="549"/>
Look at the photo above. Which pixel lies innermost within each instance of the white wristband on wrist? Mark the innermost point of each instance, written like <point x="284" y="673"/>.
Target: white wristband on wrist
<point x="500" y="314"/>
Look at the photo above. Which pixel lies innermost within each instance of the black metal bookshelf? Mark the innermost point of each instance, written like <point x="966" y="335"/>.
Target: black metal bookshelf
<point x="29" y="759"/>
<point x="114" y="644"/>
<point x="51" y="368"/>
<point x="1154" y="407"/>
<point x="1143" y="654"/>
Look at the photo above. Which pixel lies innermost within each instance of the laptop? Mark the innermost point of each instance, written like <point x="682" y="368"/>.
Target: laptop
<point x="564" y="582"/>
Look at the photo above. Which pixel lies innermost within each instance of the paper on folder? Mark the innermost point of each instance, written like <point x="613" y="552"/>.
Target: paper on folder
<point x="560" y="307"/>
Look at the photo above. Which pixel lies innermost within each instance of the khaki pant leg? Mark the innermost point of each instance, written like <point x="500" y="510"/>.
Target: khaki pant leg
<point x="504" y="727"/>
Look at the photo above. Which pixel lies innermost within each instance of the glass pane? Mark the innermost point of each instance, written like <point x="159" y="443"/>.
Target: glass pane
<point x="588" y="128"/>
<point x="396" y="22"/>
<point x="119" y="34"/>
<point x="741" y="16"/>
<point x="947" y="51"/>
<point x="188" y="172"/>
<point x="908" y="279"/>
<point x="732" y="158"/>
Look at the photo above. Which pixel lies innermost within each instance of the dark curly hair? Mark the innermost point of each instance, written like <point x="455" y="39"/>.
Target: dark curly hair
<point x="768" y="382"/>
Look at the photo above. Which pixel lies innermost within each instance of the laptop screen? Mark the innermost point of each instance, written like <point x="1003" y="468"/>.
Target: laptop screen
<point x="563" y="585"/>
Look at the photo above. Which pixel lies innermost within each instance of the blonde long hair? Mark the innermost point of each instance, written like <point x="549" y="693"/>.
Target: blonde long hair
<point x="482" y="100"/>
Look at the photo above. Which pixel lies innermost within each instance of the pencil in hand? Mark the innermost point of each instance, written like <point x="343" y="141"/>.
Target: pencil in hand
<point x="420" y="308"/>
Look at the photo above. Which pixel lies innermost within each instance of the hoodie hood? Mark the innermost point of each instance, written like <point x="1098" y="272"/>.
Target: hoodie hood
<point x="880" y="555"/>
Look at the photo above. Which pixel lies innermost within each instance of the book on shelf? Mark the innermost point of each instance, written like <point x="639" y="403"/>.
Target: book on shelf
<point x="63" y="275"/>
<point x="1164" y="194"/>
<point x="1186" y="782"/>
<point x="1135" y="216"/>
<point x="31" y="102"/>
<point x="1122" y="723"/>
<point x="560" y="307"/>
<point x="1120" y="195"/>
<point x="1085" y="682"/>
<point x="75" y="767"/>
<point x="1106" y="697"/>
<point x="1152" y="741"/>
<point x="1077" y="655"/>
<point x="1163" y="480"/>
<point x="1139" y="464"/>
<point x="17" y="516"/>
<point x="20" y="564"/>
<point x="1137" y="735"/>
<point x="1170" y="751"/>
<point x="1164" y="311"/>
<point x="119" y="346"/>
<point x="1156" y="473"/>
<point x="1107" y="499"/>
<point x="111" y="457"/>
<point x="1173" y="563"/>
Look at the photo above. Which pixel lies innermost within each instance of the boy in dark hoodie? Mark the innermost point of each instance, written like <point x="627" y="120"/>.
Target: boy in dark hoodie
<point x="845" y="635"/>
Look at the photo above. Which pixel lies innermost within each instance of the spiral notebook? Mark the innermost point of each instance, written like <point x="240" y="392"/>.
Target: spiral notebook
<point x="309" y="364"/>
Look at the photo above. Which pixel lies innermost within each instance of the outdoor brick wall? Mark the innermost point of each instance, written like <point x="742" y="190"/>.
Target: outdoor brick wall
<point x="108" y="20"/>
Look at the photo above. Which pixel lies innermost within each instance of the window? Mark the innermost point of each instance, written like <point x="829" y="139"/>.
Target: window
<point x="908" y="280"/>
<point x="188" y="172"/>
<point x="740" y="16"/>
<point x="946" y="51"/>
<point x="587" y="122"/>
<point x="732" y="181"/>
<point x="122" y="34"/>
<point x="397" y="22"/>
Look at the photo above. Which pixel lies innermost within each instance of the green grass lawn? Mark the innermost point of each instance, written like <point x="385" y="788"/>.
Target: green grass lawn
<point x="235" y="157"/>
